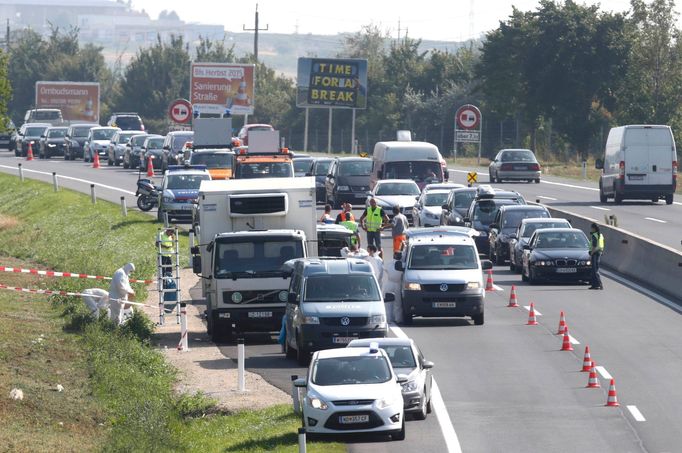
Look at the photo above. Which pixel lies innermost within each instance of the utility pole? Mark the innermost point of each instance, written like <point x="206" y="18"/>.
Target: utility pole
<point x="255" y="29"/>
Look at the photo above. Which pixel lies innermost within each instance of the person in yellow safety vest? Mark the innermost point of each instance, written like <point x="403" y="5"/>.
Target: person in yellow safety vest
<point x="347" y="219"/>
<point x="372" y="221"/>
<point x="164" y="241"/>
<point x="596" y="250"/>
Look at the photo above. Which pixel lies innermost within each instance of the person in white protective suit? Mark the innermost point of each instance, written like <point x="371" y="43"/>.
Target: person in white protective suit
<point x="353" y="252"/>
<point x="96" y="299"/>
<point x="119" y="292"/>
<point x="392" y="285"/>
<point x="377" y="264"/>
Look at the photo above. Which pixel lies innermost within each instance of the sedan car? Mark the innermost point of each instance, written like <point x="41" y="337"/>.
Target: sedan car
<point x="483" y="210"/>
<point x="516" y="165"/>
<point x="506" y="222"/>
<point x="557" y="254"/>
<point x="117" y="146"/>
<point x="520" y="237"/>
<point x="353" y="390"/>
<point x="407" y="359"/>
<point x="427" y="210"/>
<point x="30" y="135"/>
<point x="132" y="156"/>
<point x="76" y="137"/>
<point x="396" y="192"/>
<point x="52" y="142"/>
<point x="152" y="147"/>
<point x="98" y="142"/>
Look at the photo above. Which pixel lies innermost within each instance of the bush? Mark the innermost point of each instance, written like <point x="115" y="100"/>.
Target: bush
<point x="195" y="405"/>
<point x="139" y="326"/>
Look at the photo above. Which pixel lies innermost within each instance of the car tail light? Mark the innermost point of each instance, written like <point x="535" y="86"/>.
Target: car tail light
<point x="534" y="167"/>
<point x="674" y="172"/>
<point x="621" y="170"/>
<point x="506" y="167"/>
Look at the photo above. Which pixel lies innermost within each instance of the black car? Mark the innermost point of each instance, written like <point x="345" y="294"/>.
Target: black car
<point x="6" y="133"/>
<point x="483" y="210"/>
<point x="126" y="121"/>
<point x="457" y="206"/>
<point x="320" y="171"/>
<point x="52" y="142"/>
<point x="303" y="166"/>
<point x="348" y="181"/>
<point x="557" y="254"/>
<point x="523" y="233"/>
<point x="506" y="222"/>
<point x="30" y="135"/>
<point x="75" y="139"/>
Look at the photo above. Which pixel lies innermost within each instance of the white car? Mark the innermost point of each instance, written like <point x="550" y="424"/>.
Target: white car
<point x="353" y="390"/>
<point x="429" y="207"/>
<point x="406" y="358"/>
<point x="395" y="192"/>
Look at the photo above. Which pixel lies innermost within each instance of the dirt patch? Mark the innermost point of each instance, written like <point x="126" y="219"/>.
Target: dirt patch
<point x="8" y="222"/>
<point x="204" y="368"/>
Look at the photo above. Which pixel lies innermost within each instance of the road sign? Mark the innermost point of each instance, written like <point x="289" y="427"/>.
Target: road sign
<point x="472" y="177"/>
<point x="468" y="136"/>
<point x="468" y="117"/>
<point x="180" y="111"/>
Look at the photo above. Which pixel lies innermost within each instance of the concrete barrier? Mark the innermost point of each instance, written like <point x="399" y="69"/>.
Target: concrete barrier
<point x="641" y="260"/>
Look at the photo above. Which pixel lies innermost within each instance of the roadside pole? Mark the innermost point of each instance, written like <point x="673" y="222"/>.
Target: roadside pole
<point x="305" y="130"/>
<point x="241" y="378"/>
<point x="353" y="148"/>
<point x="329" y="131"/>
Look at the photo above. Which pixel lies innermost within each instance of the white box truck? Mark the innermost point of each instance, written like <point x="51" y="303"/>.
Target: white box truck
<point x="640" y="163"/>
<point x="247" y="229"/>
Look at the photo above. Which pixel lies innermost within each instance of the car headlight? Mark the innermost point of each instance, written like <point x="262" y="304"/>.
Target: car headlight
<point x="413" y="286"/>
<point x="168" y="199"/>
<point x="51" y="145"/>
<point x="311" y="320"/>
<point x="377" y="319"/>
<point x="344" y="188"/>
<point x="317" y="403"/>
<point x="409" y="386"/>
<point x="458" y="219"/>
<point x="544" y="263"/>
<point x="588" y="263"/>
<point x="388" y="401"/>
<point x="473" y="285"/>
<point x="584" y="263"/>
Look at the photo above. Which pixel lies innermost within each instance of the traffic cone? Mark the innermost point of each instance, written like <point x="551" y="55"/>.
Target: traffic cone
<point x="593" y="380"/>
<point x="95" y="160"/>
<point x="562" y="324"/>
<point x="29" y="154"/>
<point x="587" y="360"/>
<point x="150" y="167"/>
<point x="489" y="282"/>
<point x="566" y="344"/>
<point x="512" y="298"/>
<point x="531" y="316"/>
<point x="612" y="399"/>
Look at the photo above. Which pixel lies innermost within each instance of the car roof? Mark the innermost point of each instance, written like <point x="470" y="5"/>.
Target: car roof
<point x="347" y="352"/>
<point x="180" y="133"/>
<point x="105" y="127"/>
<point x="186" y="171"/>
<point x="58" y="127"/>
<point x="523" y="207"/>
<point x="352" y="158"/>
<point x="389" y="181"/>
<point x="335" y="266"/>
<point x="84" y="125"/>
<point x="441" y="230"/>
<point x="451" y="239"/>
<point x="517" y="149"/>
<point x="543" y="220"/>
<point x="558" y="230"/>
<point x="201" y="151"/>
<point x="446" y="191"/>
<point x="443" y="186"/>
<point x="360" y="342"/>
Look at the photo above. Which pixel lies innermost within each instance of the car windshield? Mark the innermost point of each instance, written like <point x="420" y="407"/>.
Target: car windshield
<point x="187" y="182"/>
<point x="212" y="160"/>
<point x="179" y="141"/>
<point x="303" y="165"/>
<point x="400" y="355"/>
<point x="128" y="123"/>
<point x="397" y="188"/>
<point x="265" y="170"/>
<point x="517" y="156"/>
<point x="486" y="210"/>
<point x="341" y="288"/>
<point x="443" y="257"/>
<point x="124" y="138"/>
<point x="529" y="228"/>
<point x="103" y="134"/>
<point x="463" y="199"/>
<point x="80" y="131"/>
<point x="355" y="168"/>
<point x="322" y="167"/>
<point x="256" y="256"/>
<point x="35" y="131"/>
<point x="512" y="219"/>
<point x="435" y="199"/>
<point x="56" y="133"/>
<point x="155" y="143"/>
<point x="373" y="369"/>
<point x="138" y="140"/>
<point x="420" y="171"/>
<point x="562" y="240"/>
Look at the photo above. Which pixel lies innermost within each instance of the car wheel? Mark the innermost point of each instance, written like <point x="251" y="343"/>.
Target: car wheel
<point x="512" y="266"/>
<point x="490" y="176"/>
<point x="421" y="414"/>
<point x="289" y="352"/>
<point x="532" y="278"/>
<point x="669" y="199"/>
<point x="302" y="356"/>
<point x="479" y="319"/>
<point x="400" y="435"/>
<point x="126" y="165"/>
<point x="524" y="277"/>
<point x="407" y="318"/>
<point x="602" y="196"/>
<point x="428" y="405"/>
<point x="537" y="181"/>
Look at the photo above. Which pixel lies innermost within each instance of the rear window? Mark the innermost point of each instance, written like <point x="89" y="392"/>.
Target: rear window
<point x="517" y="156"/>
<point x="512" y="219"/>
<point x="80" y="131"/>
<point x="530" y="228"/>
<point x="155" y="143"/>
<point x="46" y="115"/>
<point x="322" y="167"/>
<point x="35" y="131"/>
<point x="128" y="123"/>
<point x="179" y="141"/>
<point x="103" y="134"/>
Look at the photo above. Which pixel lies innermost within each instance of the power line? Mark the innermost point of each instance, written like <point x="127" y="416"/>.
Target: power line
<point x="255" y="29"/>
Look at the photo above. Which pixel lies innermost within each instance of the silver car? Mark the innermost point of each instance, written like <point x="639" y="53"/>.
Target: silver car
<point x="429" y="207"/>
<point x="117" y="146"/>
<point x="407" y="359"/>
<point x="516" y="165"/>
<point x="523" y="233"/>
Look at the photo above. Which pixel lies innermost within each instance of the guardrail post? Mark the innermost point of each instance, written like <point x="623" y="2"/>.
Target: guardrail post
<point x="21" y="172"/>
<point x="124" y="208"/>
<point x="93" y="196"/>
<point x="301" y="440"/>
<point x="54" y="181"/>
<point x="584" y="169"/>
<point x="240" y="365"/>
<point x="294" y="394"/>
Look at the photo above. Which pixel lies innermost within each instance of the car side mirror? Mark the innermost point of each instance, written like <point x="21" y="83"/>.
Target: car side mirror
<point x="389" y="297"/>
<point x="512" y="236"/>
<point x="196" y="264"/>
<point x="427" y="364"/>
<point x="599" y="164"/>
<point x="399" y="266"/>
<point x="166" y="147"/>
<point x="493" y="226"/>
<point x="486" y="265"/>
<point x="417" y="197"/>
<point x="444" y="207"/>
<point x="301" y="383"/>
<point x="330" y="176"/>
<point x="526" y="247"/>
<point x="401" y="378"/>
<point x="292" y="298"/>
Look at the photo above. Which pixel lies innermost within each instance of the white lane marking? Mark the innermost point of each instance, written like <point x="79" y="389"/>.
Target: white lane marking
<point x="449" y="434"/>
<point x="605" y="374"/>
<point x="572" y="340"/>
<point x="73" y="179"/>
<point x="657" y="297"/>
<point x="636" y="414"/>
<point x="547" y="198"/>
<point x="537" y="313"/>
<point x="600" y="208"/>
<point x="655" y="220"/>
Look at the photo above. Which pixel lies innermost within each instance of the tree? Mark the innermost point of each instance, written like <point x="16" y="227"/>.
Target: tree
<point x="5" y="91"/>
<point x="208" y="51"/>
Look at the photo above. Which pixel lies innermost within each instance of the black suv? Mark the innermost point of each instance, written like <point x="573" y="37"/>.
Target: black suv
<point x="126" y="121"/>
<point x="504" y="225"/>
<point x="483" y="210"/>
<point x="348" y="180"/>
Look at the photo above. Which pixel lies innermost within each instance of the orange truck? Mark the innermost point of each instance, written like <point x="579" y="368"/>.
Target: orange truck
<point x="218" y="161"/>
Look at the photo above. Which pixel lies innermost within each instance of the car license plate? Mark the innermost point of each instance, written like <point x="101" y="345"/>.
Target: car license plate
<point x="636" y="177"/>
<point x="350" y="419"/>
<point x="520" y="167"/>
<point x="567" y="270"/>
<point x="260" y="314"/>
<point x="444" y="305"/>
<point x="186" y="207"/>
<point x="343" y="340"/>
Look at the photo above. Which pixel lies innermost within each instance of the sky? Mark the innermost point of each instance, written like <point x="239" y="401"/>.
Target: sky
<point x="426" y="19"/>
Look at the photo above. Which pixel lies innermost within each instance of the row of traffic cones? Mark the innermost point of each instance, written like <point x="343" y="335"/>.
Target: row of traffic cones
<point x="95" y="162"/>
<point x="588" y="363"/>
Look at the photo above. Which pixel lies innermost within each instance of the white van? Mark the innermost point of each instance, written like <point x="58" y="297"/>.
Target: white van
<point x="640" y="162"/>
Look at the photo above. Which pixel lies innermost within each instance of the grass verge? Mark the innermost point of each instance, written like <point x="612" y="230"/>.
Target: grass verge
<point x="118" y="390"/>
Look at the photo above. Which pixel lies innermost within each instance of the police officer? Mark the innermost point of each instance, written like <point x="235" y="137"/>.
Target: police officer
<point x="372" y="221"/>
<point x="596" y="249"/>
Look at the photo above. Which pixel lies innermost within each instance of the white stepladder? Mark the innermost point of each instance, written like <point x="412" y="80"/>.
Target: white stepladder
<point x="162" y="269"/>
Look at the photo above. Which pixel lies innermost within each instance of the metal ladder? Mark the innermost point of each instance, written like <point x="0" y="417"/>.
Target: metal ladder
<point x="175" y="275"/>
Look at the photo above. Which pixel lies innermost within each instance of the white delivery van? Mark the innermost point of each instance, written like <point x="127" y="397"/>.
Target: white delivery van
<point x="640" y="162"/>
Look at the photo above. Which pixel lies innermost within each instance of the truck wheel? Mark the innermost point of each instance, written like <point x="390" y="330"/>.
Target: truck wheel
<point x="669" y="199"/>
<point x="126" y="165"/>
<point x="478" y="319"/>
<point x="602" y="196"/>
<point x="407" y="318"/>
<point x="302" y="356"/>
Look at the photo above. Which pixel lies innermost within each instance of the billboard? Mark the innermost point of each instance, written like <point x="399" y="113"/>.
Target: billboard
<point x="215" y="87"/>
<point x="78" y="101"/>
<point x="332" y="82"/>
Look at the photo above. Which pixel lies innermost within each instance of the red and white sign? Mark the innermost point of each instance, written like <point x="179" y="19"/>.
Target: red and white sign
<point x="215" y="87"/>
<point x="78" y="101"/>
<point x="180" y="111"/>
<point x="468" y="117"/>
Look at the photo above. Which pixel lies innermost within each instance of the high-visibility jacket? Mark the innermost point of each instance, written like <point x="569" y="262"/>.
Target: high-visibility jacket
<point x="347" y="216"/>
<point x="352" y="225"/>
<point x="599" y="239"/>
<point x="374" y="218"/>
<point x="165" y="243"/>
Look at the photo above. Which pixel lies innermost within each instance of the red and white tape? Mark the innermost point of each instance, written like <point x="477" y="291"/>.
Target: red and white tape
<point x="18" y="270"/>
<point x="49" y="292"/>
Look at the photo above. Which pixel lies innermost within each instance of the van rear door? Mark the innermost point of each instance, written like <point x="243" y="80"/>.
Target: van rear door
<point x="648" y="156"/>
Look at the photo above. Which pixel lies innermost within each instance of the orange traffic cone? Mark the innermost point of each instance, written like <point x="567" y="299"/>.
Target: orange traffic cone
<point x="587" y="360"/>
<point x="593" y="380"/>
<point x="612" y="399"/>
<point x="512" y="298"/>
<point x="29" y="153"/>
<point x="95" y="160"/>
<point x="489" y="282"/>
<point x="150" y="167"/>
<point x="562" y="324"/>
<point x="566" y="344"/>
<point x="531" y="316"/>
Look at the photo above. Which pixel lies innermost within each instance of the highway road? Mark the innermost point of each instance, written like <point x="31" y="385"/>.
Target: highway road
<point x="506" y="386"/>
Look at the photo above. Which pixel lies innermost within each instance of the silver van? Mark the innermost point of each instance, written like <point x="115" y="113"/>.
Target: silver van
<point x="331" y="302"/>
<point x="640" y="163"/>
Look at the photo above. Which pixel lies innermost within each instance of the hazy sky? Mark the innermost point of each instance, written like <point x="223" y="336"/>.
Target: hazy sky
<point x="427" y="19"/>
